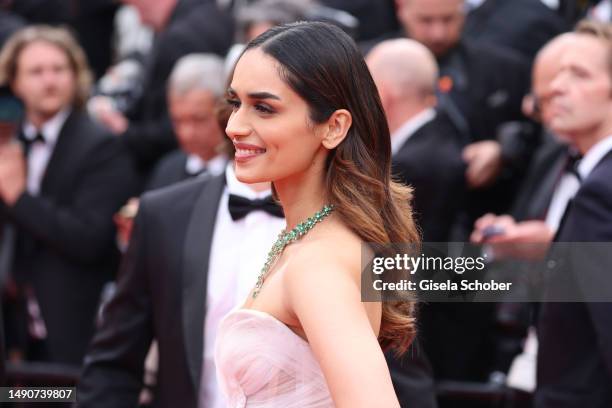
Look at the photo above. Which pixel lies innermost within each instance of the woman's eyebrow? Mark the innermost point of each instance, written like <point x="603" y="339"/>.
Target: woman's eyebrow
<point x="255" y="95"/>
<point x="263" y="95"/>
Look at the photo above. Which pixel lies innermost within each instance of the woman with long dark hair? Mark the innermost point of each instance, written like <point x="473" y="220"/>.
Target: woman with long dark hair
<point x="307" y="117"/>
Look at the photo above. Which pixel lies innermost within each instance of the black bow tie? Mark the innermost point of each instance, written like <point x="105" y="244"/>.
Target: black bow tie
<point x="37" y="138"/>
<point x="27" y="142"/>
<point x="239" y="207"/>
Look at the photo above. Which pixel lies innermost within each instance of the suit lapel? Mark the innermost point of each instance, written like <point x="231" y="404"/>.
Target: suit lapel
<point x="196" y="255"/>
<point x="419" y="136"/>
<point x="61" y="158"/>
<point x="551" y="176"/>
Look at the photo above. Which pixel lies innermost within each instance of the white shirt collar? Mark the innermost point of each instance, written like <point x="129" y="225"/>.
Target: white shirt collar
<point x="602" y="11"/>
<point x="214" y="166"/>
<point x="553" y="4"/>
<point x="50" y="130"/>
<point x="401" y="135"/>
<point x="238" y="188"/>
<point x="594" y="156"/>
<point x="474" y="4"/>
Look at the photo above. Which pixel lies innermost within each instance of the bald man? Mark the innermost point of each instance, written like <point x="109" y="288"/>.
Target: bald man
<point x="426" y="147"/>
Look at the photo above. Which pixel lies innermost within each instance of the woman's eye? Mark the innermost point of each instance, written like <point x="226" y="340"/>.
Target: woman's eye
<point x="234" y="103"/>
<point x="263" y="108"/>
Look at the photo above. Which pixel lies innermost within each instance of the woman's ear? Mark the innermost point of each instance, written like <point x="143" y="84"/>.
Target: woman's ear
<point x="338" y="126"/>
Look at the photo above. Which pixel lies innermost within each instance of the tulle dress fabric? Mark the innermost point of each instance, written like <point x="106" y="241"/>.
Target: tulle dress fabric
<point x="261" y="363"/>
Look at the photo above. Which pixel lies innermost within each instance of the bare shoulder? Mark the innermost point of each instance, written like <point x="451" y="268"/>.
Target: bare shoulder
<point x="323" y="277"/>
<point x="326" y="267"/>
<point x="333" y="253"/>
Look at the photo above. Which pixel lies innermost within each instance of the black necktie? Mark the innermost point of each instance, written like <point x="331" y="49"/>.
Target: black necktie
<point x="239" y="206"/>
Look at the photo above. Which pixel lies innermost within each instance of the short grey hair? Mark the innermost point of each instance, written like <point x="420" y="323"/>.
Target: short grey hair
<point x="198" y="71"/>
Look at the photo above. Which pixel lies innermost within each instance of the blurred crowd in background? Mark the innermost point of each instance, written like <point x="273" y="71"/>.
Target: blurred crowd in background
<point x="109" y="100"/>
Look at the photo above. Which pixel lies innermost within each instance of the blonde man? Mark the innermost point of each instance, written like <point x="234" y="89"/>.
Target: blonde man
<point x="61" y="179"/>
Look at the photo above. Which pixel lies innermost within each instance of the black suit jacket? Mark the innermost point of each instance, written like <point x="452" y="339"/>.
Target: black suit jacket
<point x="160" y="294"/>
<point x="485" y="104"/>
<point x="575" y="353"/>
<point x="430" y="161"/>
<point x="170" y="169"/>
<point x="533" y="198"/>
<point x="488" y="85"/>
<point x="195" y="26"/>
<point x="66" y="233"/>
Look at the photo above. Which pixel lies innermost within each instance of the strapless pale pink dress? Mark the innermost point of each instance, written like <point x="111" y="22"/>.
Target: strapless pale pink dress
<point x="261" y="363"/>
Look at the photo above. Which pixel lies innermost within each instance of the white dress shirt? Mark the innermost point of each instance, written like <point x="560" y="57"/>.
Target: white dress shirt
<point x="40" y="153"/>
<point x="569" y="184"/>
<point x="401" y="135"/>
<point x="238" y="252"/>
<point x="602" y="11"/>
<point x="212" y="167"/>
<point x="474" y="4"/>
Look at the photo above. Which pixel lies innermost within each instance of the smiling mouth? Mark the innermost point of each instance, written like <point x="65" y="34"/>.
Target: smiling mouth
<point x="249" y="152"/>
<point x="245" y="151"/>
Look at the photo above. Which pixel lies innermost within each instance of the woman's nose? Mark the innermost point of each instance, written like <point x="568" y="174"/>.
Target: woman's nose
<point x="236" y="126"/>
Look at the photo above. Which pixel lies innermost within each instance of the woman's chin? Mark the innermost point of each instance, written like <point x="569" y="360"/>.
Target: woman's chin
<point x="248" y="177"/>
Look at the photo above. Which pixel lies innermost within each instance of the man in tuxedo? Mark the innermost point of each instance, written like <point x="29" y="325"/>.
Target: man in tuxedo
<point x="194" y="255"/>
<point x="60" y="183"/>
<point x="182" y="27"/>
<point x="574" y="366"/>
<point x="575" y="339"/>
<point x="481" y="88"/>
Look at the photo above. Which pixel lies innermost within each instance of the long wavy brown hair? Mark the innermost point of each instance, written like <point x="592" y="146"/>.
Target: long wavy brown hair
<point x="323" y="65"/>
